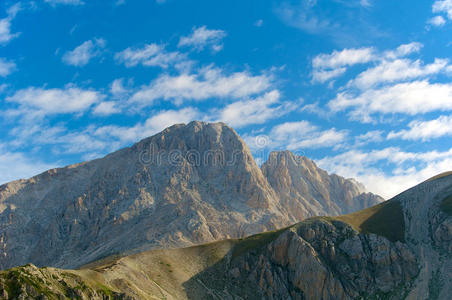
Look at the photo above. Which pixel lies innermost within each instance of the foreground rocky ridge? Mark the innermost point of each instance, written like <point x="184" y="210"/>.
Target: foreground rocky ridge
<point x="189" y="184"/>
<point x="356" y="256"/>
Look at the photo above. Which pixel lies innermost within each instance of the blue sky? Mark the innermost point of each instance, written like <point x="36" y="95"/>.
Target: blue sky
<point x="362" y="87"/>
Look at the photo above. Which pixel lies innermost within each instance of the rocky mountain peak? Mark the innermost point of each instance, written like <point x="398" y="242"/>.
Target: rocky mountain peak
<point x="186" y="185"/>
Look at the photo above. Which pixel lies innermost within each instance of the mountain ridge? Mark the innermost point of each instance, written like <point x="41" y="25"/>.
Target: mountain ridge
<point x="318" y="258"/>
<point x="154" y="194"/>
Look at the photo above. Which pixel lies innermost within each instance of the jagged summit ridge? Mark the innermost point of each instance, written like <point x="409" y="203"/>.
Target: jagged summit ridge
<point x="189" y="184"/>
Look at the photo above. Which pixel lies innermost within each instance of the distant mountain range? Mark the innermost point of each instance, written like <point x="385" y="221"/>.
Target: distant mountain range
<point x="399" y="249"/>
<point x="187" y="185"/>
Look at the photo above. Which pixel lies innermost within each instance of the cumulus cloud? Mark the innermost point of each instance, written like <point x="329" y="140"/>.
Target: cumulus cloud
<point x="443" y="6"/>
<point x="150" y="55"/>
<point x="5" y="24"/>
<point x="397" y="70"/>
<point x="329" y="66"/>
<point x="437" y="21"/>
<point x="255" y="111"/>
<point x="346" y="57"/>
<point x="406" y="98"/>
<point x="81" y="55"/>
<point x="209" y="82"/>
<point x="6" y="67"/>
<point x="42" y="101"/>
<point x="425" y="130"/>
<point x="201" y="37"/>
<point x="366" y="166"/>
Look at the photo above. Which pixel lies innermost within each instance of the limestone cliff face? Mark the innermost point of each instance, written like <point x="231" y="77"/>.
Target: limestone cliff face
<point x="189" y="184"/>
<point x="310" y="191"/>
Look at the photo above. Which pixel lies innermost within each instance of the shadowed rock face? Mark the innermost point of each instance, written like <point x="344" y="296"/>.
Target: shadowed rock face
<point x="189" y="184"/>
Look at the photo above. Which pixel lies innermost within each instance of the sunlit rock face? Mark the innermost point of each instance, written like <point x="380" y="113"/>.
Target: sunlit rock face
<point x="189" y="184"/>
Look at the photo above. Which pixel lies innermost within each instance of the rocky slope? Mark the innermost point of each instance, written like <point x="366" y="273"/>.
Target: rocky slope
<point x="311" y="191"/>
<point x="187" y="185"/>
<point x="400" y="249"/>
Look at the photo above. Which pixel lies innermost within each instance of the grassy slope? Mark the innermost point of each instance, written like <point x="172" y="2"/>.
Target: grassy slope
<point x="445" y="174"/>
<point x="385" y="219"/>
<point x="160" y="274"/>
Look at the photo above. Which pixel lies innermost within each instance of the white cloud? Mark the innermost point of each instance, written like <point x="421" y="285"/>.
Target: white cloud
<point x="106" y="108"/>
<point x="365" y="3"/>
<point x="397" y="70"/>
<point x="65" y="2"/>
<point x="41" y="101"/>
<point x="328" y="66"/>
<point x="443" y="6"/>
<point x="303" y="134"/>
<point x="302" y="16"/>
<point x="81" y="55"/>
<point x="437" y="21"/>
<point x="255" y="111"/>
<point x="14" y="165"/>
<point x="259" y="23"/>
<point x="202" y="37"/>
<point x="208" y="83"/>
<point x="402" y="50"/>
<point x="367" y="168"/>
<point x="149" y="55"/>
<point x="151" y="126"/>
<point x="425" y="130"/>
<point x="6" y="67"/>
<point x="373" y="136"/>
<point x="5" y="24"/>
<point x="405" y="98"/>
<point x="346" y="57"/>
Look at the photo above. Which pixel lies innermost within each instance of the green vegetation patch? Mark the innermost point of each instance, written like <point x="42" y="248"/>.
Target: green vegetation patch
<point x="385" y="219"/>
<point x="446" y="205"/>
<point x="255" y="242"/>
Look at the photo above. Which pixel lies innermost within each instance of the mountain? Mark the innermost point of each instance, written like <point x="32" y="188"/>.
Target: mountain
<point x="187" y="185"/>
<point x="310" y="191"/>
<point x="399" y="249"/>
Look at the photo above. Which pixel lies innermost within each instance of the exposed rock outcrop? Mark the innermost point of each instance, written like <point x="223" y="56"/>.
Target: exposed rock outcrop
<point x="310" y="191"/>
<point x="187" y="185"/>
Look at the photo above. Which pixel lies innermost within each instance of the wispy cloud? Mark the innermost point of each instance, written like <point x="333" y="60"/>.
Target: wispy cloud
<point x="14" y="165"/>
<point x="298" y="136"/>
<point x="35" y="101"/>
<point x="207" y="83"/>
<point x="6" y="67"/>
<point x="425" y="130"/>
<point x="404" y="98"/>
<point x="5" y="24"/>
<point x="329" y="66"/>
<point x="255" y="111"/>
<point x="201" y="37"/>
<point x="150" y="55"/>
<point x="82" y="54"/>
<point x="65" y="2"/>
<point x="366" y="167"/>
